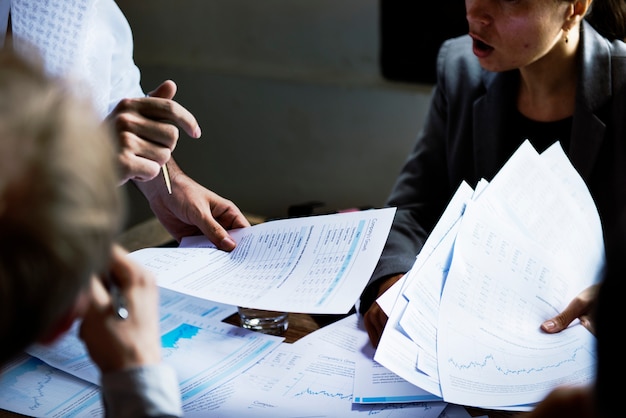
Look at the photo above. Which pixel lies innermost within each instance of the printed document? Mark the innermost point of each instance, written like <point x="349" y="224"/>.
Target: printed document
<point x="316" y="264"/>
<point x="466" y="323"/>
<point x="313" y="377"/>
<point x="204" y="351"/>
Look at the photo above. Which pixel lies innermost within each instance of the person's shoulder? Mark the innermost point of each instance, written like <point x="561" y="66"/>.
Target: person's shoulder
<point x="459" y="47"/>
<point x="618" y="48"/>
<point x="601" y="54"/>
<point x="457" y="65"/>
<point x="456" y="56"/>
<point x="595" y="43"/>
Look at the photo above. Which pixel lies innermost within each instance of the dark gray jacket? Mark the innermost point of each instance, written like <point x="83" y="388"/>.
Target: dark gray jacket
<point x="462" y="139"/>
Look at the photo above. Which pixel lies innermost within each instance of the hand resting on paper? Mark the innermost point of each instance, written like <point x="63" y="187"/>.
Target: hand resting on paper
<point x="375" y="318"/>
<point x="580" y="307"/>
<point x="192" y="209"/>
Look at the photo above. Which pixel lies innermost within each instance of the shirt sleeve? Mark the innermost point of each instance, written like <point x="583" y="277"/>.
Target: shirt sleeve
<point x="149" y="391"/>
<point x="110" y="68"/>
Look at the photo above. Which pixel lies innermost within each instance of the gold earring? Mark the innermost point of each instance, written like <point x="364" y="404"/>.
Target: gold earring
<point x="566" y="36"/>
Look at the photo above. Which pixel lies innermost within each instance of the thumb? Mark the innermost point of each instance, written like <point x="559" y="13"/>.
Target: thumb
<point x="166" y="90"/>
<point x="563" y="319"/>
<point x="557" y="323"/>
<point x="217" y="235"/>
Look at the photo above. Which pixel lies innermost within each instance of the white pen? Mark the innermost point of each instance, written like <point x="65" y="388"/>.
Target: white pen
<point x="166" y="176"/>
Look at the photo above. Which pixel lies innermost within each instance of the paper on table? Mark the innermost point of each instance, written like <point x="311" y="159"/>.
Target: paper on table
<point x="313" y="377"/>
<point x="316" y="264"/>
<point x="373" y="383"/>
<point x="204" y="351"/>
<point x="30" y="387"/>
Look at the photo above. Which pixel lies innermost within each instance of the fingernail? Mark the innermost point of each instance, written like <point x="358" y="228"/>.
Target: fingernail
<point x="227" y="244"/>
<point x="549" y="325"/>
<point x="198" y="132"/>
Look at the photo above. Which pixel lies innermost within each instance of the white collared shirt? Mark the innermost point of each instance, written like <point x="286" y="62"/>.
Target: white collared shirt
<point x="88" y="42"/>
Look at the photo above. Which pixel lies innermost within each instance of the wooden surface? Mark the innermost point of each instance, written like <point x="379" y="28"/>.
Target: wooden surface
<point x="152" y="234"/>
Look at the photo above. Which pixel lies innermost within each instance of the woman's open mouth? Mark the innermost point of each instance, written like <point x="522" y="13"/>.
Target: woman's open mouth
<point x="480" y="48"/>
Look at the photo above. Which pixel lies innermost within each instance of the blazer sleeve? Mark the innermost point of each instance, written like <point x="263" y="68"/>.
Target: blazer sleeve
<point x="421" y="191"/>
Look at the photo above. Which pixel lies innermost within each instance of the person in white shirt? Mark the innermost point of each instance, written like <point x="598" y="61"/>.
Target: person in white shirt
<point x="91" y="42"/>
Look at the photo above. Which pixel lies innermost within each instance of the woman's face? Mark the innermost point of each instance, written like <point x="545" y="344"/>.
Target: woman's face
<point x="510" y="34"/>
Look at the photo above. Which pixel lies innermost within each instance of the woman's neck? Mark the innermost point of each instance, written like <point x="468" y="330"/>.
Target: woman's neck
<point x="547" y="90"/>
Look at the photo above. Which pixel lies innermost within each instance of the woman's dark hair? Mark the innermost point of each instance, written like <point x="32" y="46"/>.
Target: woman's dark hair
<point x="608" y="17"/>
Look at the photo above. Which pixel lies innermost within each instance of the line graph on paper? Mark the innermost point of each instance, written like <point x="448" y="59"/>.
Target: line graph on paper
<point x="292" y="376"/>
<point x="492" y="370"/>
<point x="30" y="387"/>
<point x="304" y="387"/>
<point x="493" y="363"/>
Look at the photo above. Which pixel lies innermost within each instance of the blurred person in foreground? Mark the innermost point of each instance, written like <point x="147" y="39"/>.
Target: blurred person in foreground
<point x="60" y="209"/>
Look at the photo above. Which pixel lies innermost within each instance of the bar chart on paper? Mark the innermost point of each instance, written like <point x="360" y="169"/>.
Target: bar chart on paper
<point x="205" y="357"/>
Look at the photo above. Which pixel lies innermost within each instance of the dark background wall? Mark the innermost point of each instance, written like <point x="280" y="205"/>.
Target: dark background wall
<point x="411" y="34"/>
<point x="298" y="100"/>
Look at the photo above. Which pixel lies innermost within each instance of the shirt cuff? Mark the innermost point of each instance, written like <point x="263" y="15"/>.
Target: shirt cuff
<point x="147" y="391"/>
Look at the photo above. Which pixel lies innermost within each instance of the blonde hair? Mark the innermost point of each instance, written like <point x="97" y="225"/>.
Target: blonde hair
<point x="60" y="207"/>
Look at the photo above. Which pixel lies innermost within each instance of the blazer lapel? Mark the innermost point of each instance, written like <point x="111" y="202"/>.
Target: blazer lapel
<point x="588" y="124"/>
<point x="489" y="119"/>
<point x="587" y="137"/>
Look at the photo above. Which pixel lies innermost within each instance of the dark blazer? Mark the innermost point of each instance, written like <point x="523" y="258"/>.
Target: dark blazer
<point x="463" y="138"/>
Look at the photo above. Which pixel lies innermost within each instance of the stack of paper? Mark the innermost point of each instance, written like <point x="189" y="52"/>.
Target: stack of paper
<point x="502" y="259"/>
<point x="317" y="264"/>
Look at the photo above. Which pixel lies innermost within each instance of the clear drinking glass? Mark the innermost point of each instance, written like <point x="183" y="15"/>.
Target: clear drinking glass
<point x="267" y="322"/>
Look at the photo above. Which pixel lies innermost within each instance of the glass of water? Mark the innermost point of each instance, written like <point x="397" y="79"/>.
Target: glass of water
<point x="267" y="322"/>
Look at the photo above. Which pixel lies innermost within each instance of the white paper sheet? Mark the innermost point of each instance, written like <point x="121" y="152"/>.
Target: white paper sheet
<point x="33" y="388"/>
<point x="204" y="351"/>
<point x="311" y="378"/>
<point x="527" y="243"/>
<point x="315" y="264"/>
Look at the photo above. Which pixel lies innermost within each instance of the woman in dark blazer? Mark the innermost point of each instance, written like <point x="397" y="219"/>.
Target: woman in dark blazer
<point x="528" y="69"/>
